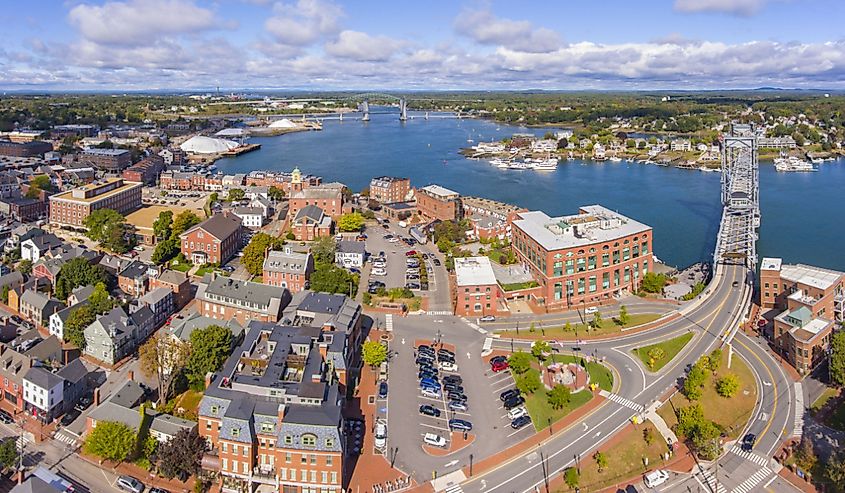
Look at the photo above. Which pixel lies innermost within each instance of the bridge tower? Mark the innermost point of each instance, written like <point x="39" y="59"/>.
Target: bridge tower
<point x="740" y="197"/>
<point x="365" y="109"/>
<point x="403" y="110"/>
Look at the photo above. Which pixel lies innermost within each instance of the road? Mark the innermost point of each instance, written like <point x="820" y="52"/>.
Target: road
<point x="711" y="322"/>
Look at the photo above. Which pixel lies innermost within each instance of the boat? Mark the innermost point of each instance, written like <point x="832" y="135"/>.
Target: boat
<point x="616" y="159"/>
<point x="212" y="167"/>
<point x="793" y="164"/>
<point x="549" y="164"/>
<point x="499" y="163"/>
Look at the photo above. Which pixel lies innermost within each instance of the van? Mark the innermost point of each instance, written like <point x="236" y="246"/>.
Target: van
<point x="591" y="310"/>
<point x="434" y="439"/>
<point x="656" y="478"/>
<point x="381" y="435"/>
<point x="403" y="224"/>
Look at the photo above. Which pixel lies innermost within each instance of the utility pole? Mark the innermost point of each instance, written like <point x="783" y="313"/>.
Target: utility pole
<point x="545" y="471"/>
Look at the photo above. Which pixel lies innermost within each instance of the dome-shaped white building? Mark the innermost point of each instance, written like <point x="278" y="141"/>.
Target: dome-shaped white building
<point x="283" y="123"/>
<point x="200" y="144"/>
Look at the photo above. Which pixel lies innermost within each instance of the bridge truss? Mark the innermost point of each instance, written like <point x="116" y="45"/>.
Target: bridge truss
<point x="737" y="239"/>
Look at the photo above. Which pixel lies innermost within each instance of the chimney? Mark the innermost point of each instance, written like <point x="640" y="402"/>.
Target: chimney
<point x="67" y="357"/>
<point x="281" y="414"/>
<point x="96" y="397"/>
<point x="209" y="377"/>
<point x="131" y="375"/>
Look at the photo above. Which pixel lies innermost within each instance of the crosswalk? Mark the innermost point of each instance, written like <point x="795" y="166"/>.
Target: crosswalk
<point x="748" y="455"/>
<point x="438" y="312"/>
<point x="23" y="440"/>
<point x="455" y="488"/>
<point x="623" y="401"/>
<point x="751" y="483"/>
<point x="798" y="425"/>
<point x="711" y="481"/>
<point x="388" y="322"/>
<point x="65" y="438"/>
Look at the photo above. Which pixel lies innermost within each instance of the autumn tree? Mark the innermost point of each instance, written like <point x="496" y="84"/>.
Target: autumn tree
<point x="163" y="357"/>
<point x="352" y="221"/>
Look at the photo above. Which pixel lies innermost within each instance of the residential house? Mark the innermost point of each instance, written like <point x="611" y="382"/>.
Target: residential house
<point x="111" y="337"/>
<point x="175" y="281"/>
<point x="224" y="298"/>
<point x="56" y="322"/>
<point x="213" y="241"/>
<point x="113" y="264"/>
<point x="13" y="366"/>
<point x="436" y="202"/>
<point x="350" y="254"/>
<point x="311" y="223"/>
<point x="251" y="217"/>
<point x="132" y="280"/>
<point x="182" y="326"/>
<point x="77" y="382"/>
<point x="160" y="302"/>
<point x="122" y="406"/>
<point x="35" y="247"/>
<point x="288" y="269"/>
<point x="43" y="393"/>
<point x="165" y="426"/>
<point x="37" y="307"/>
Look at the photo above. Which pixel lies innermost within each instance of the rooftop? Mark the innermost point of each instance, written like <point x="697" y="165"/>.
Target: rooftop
<point x="816" y="277"/>
<point x="286" y="261"/>
<point x="474" y="271"/>
<point x="593" y="224"/>
<point x="105" y="152"/>
<point x="771" y="263"/>
<point x="221" y="226"/>
<point x="440" y="192"/>
<point x="69" y="195"/>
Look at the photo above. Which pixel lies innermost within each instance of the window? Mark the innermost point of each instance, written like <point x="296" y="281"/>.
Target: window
<point x="558" y="268"/>
<point x="266" y="427"/>
<point x="329" y="460"/>
<point x="605" y="280"/>
<point x="329" y="444"/>
<point x="626" y="253"/>
<point x="309" y="440"/>
<point x="313" y="459"/>
<point x="287" y="457"/>
<point x="591" y="262"/>
<point x="605" y="260"/>
<point x="592" y="284"/>
<point x="570" y="266"/>
<point x="581" y="285"/>
<point x="288" y="440"/>
<point x="582" y="265"/>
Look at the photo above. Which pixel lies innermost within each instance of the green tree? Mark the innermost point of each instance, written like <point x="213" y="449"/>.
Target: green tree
<point x="236" y="194"/>
<point x="183" y="222"/>
<point x="694" y="382"/>
<point x="835" y="469"/>
<point x="25" y="267"/>
<point x="805" y="454"/>
<point x="728" y="385"/>
<point x="528" y="382"/>
<point x="571" y="477"/>
<point x="253" y="259"/>
<point x="275" y="193"/>
<point x="290" y="236"/>
<point x="37" y="184"/>
<point x="519" y="362"/>
<point x="329" y="278"/>
<point x="601" y="460"/>
<point x="653" y="283"/>
<point x="101" y="222"/>
<point x="162" y="226"/>
<point x="567" y="327"/>
<point x="165" y="250"/>
<point x="352" y="221"/>
<point x="373" y="353"/>
<point x="836" y="365"/>
<point x="540" y="349"/>
<point x="323" y="250"/>
<point x="706" y="440"/>
<point x="597" y="321"/>
<point x="714" y="360"/>
<point x="624" y="318"/>
<point x="559" y="397"/>
<point x="8" y="453"/>
<point x="111" y="440"/>
<point x="77" y="321"/>
<point x="78" y="272"/>
<point x="182" y="454"/>
<point x="100" y="301"/>
<point x="655" y="354"/>
<point x="209" y="349"/>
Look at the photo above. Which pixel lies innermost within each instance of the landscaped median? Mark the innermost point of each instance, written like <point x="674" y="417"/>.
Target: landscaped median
<point x="656" y="356"/>
<point x="568" y="331"/>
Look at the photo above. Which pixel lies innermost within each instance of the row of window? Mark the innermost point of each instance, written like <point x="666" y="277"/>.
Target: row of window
<point x="591" y="282"/>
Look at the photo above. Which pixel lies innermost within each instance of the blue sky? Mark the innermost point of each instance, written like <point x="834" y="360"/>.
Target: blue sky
<point x="433" y="44"/>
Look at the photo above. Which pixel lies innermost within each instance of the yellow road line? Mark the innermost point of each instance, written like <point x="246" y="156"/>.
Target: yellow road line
<point x="774" y="388"/>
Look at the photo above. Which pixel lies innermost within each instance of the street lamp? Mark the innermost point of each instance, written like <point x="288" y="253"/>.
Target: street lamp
<point x="550" y="426"/>
<point x="470" y="465"/>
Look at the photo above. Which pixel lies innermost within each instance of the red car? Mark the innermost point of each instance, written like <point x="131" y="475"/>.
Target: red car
<point x="498" y="366"/>
<point x="410" y="253"/>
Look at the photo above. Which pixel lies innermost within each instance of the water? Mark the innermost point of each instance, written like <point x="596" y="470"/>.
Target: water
<point x="798" y="209"/>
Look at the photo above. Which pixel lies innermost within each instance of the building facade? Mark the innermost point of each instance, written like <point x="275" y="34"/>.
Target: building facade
<point x="288" y="269"/>
<point x="71" y="208"/>
<point x="224" y="298"/>
<point x="213" y="241"/>
<point x="145" y="171"/>
<point x="436" y="202"/>
<point x="477" y="293"/>
<point x="389" y="189"/>
<point x="110" y="160"/>
<point x="582" y="259"/>
<point x="24" y="149"/>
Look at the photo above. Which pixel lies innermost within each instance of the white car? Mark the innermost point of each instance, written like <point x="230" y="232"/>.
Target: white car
<point x="379" y="272"/>
<point x="393" y="240"/>
<point x="381" y="435"/>
<point x="591" y="310"/>
<point x="429" y="392"/>
<point x="656" y="478"/>
<point x="448" y="366"/>
<point x="379" y="264"/>
<point x="517" y="412"/>
<point x="434" y="439"/>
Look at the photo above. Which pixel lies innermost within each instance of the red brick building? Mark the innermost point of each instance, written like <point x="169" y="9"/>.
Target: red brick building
<point x="311" y="223"/>
<point x="477" y="293"/>
<point x="145" y="171"/>
<point x="436" y="202"/>
<point x="288" y="269"/>
<point x="24" y="149"/>
<point x="112" y="160"/>
<point x="389" y="189"/>
<point x="225" y="298"/>
<point x="177" y="282"/>
<point x="489" y="219"/>
<point x="582" y="259"/>
<point x="72" y="207"/>
<point x="213" y="241"/>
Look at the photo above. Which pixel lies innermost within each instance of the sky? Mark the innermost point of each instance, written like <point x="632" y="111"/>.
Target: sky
<point x="137" y="45"/>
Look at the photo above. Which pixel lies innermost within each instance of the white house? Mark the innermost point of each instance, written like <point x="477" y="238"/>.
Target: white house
<point x="681" y="145"/>
<point x="34" y="248"/>
<point x="42" y="393"/>
<point x="350" y="254"/>
<point x="251" y="217"/>
<point x="164" y="427"/>
<point x="265" y="204"/>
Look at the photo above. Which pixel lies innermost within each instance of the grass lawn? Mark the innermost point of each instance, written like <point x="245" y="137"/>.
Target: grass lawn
<point x="540" y="410"/>
<point x="599" y="373"/>
<point x="827" y="395"/>
<point x="206" y="270"/>
<point x="608" y="326"/>
<point x="181" y="267"/>
<point x="731" y="413"/>
<point x="624" y="459"/>
<point x="670" y="349"/>
<point x="189" y="401"/>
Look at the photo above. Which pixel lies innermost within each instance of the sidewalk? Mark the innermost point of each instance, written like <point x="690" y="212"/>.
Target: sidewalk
<point x="658" y="422"/>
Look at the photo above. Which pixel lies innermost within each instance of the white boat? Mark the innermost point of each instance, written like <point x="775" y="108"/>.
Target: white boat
<point x="499" y="163"/>
<point x="520" y="165"/>
<point x="549" y="164"/>
<point x="793" y="164"/>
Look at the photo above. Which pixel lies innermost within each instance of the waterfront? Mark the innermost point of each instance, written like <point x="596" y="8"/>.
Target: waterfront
<point x="799" y="209"/>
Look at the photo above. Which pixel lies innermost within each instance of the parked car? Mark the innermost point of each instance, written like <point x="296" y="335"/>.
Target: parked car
<point x="487" y="318"/>
<point x="429" y="410"/>
<point x="128" y="483"/>
<point x="83" y="403"/>
<point x="382" y="389"/>
<point x="436" y="262"/>
<point x="434" y="393"/>
<point x="157" y="490"/>
<point x="453" y="378"/>
<point x="453" y="387"/>
<point x="498" y="358"/>
<point x="520" y="422"/>
<point x="517" y="412"/>
<point x="456" y="424"/>
<point x="591" y="310"/>
<point x="429" y="382"/>
<point x="6" y="418"/>
<point x="455" y="395"/>
<point x="514" y="402"/>
<point x="379" y="272"/>
<point x="70" y="417"/>
<point x="410" y="253"/>
<point x="448" y="366"/>
<point x="656" y="478"/>
<point x="424" y="347"/>
<point x="413" y="285"/>
<point x="458" y="406"/>
<point x="499" y="366"/>
<point x="381" y="435"/>
<point x="434" y="440"/>
<point x="508" y="394"/>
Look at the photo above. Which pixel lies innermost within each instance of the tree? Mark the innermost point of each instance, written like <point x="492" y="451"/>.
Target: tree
<point x="329" y="278"/>
<point x="694" y="382"/>
<point x="352" y="221"/>
<point x="835" y="469"/>
<point x="323" y="250"/>
<point x="805" y="454"/>
<point x="374" y="353"/>
<point x="655" y="354"/>
<point x="100" y="301"/>
<point x="4" y="293"/>
<point x="77" y="321"/>
<point x="624" y="318"/>
<point x="254" y="253"/>
<point x="78" y="272"/>
<point x="689" y="418"/>
<point x="528" y="382"/>
<point x="653" y="283"/>
<point x="209" y="349"/>
<point x="111" y="440"/>
<point x="8" y="453"/>
<point x="101" y="222"/>
<point x="163" y="357"/>
<point x="597" y="321"/>
<point x="183" y="222"/>
<point x="714" y="360"/>
<point x="236" y="194"/>
<point x="182" y="454"/>
<point x="571" y="477"/>
<point x="275" y="193"/>
<point x="165" y="250"/>
<point x="706" y="440"/>
<point x="559" y="397"/>
<point x="162" y="226"/>
<point x="37" y="184"/>
<point x="836" y="365"/>
<point x="601" y="460"/>
<point x="567" y="327"/>
<point x="519" y="362"/>
<point x="539" y="349"/>
<point x="728" y="385"/>
<point x="648" y="435"/>
<point x="290" y="236"/>
<point x="25" y="267"/>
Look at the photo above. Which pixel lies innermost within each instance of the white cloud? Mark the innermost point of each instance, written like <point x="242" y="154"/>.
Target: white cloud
<point x="485" y="28"/>
<point x="735" y="7"/>
<point x="303" y="23"/>
<point x="137" y="22"/>
<point x="363" y="47"/>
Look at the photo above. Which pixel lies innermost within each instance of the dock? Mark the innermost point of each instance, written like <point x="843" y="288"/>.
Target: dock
<point x="237" y="151"/>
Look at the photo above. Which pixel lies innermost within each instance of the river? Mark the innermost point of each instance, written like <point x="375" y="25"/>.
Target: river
<point x="799" y="210"/>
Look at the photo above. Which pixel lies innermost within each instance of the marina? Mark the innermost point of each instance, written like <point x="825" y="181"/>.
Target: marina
<point x="794" y="164"/>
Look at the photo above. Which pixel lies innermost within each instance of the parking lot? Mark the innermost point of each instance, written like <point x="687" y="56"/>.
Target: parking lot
<point x="491" y="430"/>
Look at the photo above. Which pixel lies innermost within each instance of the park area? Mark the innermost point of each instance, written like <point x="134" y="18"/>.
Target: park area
<point x="605" y="327"/>
<point x="656" y="356"/>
